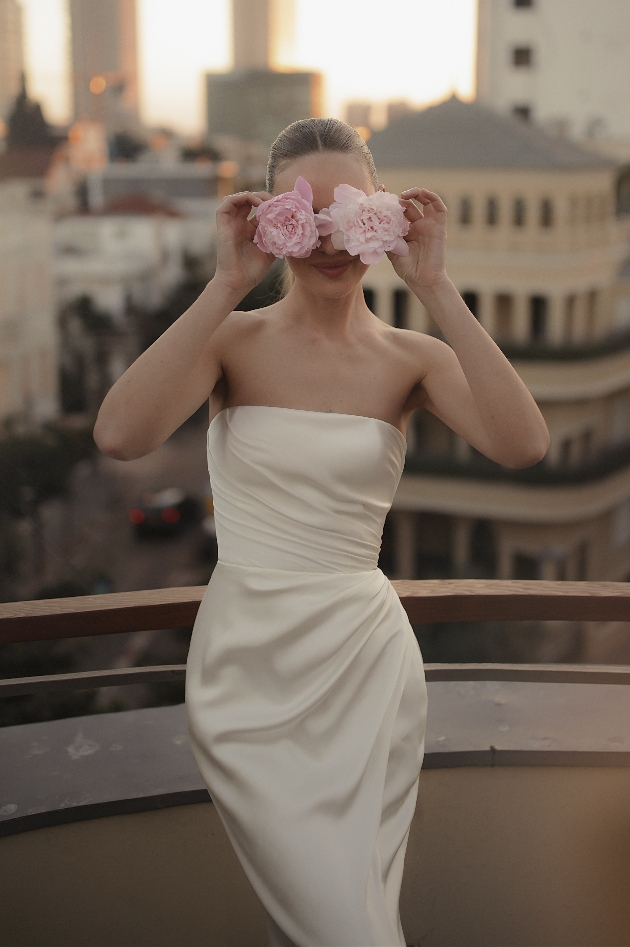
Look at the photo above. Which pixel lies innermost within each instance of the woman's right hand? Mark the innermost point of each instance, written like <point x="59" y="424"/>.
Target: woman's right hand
<point x="241" y="265"/>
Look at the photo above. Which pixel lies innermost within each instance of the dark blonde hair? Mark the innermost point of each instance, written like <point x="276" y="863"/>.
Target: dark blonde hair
<point x="311" y="135"/>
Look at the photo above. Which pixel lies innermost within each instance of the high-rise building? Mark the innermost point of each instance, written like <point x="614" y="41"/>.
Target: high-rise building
<point x="262" y="31"/>
<point x="538" y="248"/>
<point x="561" y="63"/>
<point x="104" y="62"/>
<point x="254" y="102"/>
<point x="11" y="54"/>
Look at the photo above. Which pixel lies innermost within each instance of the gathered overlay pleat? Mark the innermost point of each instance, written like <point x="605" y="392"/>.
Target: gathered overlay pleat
<point x="305" y="688"/>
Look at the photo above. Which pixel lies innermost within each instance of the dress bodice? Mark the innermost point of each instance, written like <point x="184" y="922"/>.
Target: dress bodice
<point x="302" y="490"/>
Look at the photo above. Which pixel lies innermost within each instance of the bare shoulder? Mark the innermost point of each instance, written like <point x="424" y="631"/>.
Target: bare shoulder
<point x="241" y="326"/>
<point x="422" y="350"/>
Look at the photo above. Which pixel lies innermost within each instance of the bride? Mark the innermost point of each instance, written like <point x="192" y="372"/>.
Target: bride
<point x="305" y="690"/>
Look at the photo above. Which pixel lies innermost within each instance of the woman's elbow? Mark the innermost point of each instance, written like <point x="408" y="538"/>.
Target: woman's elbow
<point x="529" y="452"/>
<point x="109" y="442"/>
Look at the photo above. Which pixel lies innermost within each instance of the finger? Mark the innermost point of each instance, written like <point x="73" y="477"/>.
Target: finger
<point x="412" y="213"/>
<point x="242" y="198"/>
<point x="423" y="196"/>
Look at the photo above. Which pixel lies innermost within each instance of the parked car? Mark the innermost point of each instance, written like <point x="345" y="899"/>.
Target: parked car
<point x="164" y="512"/>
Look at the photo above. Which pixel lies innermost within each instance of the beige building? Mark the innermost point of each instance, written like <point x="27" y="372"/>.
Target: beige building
<point x="562" y="63"/>
<point x="28" y="372"/>
<point x="11" y="54"/>
<point x="540" y="252"/>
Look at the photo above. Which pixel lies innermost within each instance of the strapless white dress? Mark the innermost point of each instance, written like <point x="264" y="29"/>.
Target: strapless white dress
<point x="305" y="687"/>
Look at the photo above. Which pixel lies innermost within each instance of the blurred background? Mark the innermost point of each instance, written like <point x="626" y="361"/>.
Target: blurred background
<point x="122" y="125"/>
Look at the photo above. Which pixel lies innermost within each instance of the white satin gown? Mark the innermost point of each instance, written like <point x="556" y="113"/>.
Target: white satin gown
<point x="305" y="687"/>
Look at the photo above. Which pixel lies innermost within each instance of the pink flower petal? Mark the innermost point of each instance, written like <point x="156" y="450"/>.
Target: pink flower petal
<point x="338" y="241"/>
<point x="371" y="256"/>
<point x="401" y="247"/>
<point x="345" y="192"/>
<point x="304" y="189"/>
<point x="324" y="223"/>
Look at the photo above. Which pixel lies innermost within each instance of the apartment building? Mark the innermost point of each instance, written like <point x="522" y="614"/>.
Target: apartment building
<point x="539" y="248"/>
<point x="561" y="63"/>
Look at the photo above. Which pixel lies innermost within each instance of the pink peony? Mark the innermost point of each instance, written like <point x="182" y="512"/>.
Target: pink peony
<point x="287" y="224"/>
<point x="367" y="225"/>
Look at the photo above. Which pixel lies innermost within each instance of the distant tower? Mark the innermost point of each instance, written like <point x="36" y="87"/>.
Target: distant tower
<point x="562" y="63"/>
<point x="105" y="62"/>
<point x="11" y="54"/>
<point x="254" y="102"/>
<point x="262" y="31"/>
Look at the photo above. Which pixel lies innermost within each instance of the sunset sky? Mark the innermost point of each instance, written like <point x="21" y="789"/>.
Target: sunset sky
<point x="420" y="50"/>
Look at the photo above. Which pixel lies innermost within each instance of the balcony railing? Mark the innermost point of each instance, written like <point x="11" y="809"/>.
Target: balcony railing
<point x="424" y="602"/>
<point x="567" y="351"/>
<point x="601" y="464"/>
<point x="521" y="821"/>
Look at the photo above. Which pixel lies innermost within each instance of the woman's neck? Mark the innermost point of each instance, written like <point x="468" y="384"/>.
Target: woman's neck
<point x="330" y="315"/>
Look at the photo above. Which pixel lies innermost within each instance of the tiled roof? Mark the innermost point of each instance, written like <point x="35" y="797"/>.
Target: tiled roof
<point x="456" y="134"/>
<point x="138" y="204"/>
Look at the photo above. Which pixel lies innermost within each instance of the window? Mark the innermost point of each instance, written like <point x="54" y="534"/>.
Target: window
<point x="522" y="57"/>
<point x="518" y="212"/>
<point x="492" y="212"/>
<point x="591" y="313"/>
<point x="465" y="211"/>
<point x="503" y="316"/>
<point x="538" y="318"/>
<point x="566" y="452"/>
<point x="370" y="299"/>
<point x="526" y="567"/>
<point x="581" y="562"/>
<point x="401" y="307"/>
<point x="546" y="212"/>
<point x="569" y="316"/>
<point x="472" y="301"/>
<point x="523" y="112"/>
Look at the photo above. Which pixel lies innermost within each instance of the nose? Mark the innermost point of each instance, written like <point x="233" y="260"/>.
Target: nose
<point x="326" y="245"/>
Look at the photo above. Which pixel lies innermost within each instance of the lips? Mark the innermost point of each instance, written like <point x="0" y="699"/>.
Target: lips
<point x="333" y="269"/>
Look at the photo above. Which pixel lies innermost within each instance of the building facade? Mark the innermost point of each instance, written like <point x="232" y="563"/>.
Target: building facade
<point x="562" y="63"/>
<point x="131" y="255"/>
<point x="28" y="337"/>
<point x="256" y="100"/>
<point x="105" y="62"/>
<point x="539" y="250"/>
<point x="11" y="54"/>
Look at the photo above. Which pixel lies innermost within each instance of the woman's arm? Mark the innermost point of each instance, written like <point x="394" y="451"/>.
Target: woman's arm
<point x="471" y="386"/>
<point x="176" y="374"/>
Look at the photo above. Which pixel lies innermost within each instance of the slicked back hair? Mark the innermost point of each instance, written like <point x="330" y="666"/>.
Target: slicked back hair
<point x="315" y="135"/>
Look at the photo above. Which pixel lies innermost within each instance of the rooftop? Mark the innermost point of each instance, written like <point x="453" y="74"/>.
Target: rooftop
<point x="457" y="134"/>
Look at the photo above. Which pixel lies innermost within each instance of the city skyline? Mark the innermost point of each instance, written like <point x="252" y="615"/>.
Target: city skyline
<point x="329" y="37"/>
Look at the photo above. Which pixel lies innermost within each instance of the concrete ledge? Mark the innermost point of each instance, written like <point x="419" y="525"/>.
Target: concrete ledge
<point x="84" y="768"/>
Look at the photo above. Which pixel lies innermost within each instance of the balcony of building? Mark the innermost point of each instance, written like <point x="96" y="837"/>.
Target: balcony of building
<point x="520" y="838"/>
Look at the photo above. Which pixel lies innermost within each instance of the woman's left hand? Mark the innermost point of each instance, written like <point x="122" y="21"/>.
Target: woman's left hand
<point x="426" y="263"/>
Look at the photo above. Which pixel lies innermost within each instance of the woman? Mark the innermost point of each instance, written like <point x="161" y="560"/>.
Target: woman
<point x="305" y="689"/>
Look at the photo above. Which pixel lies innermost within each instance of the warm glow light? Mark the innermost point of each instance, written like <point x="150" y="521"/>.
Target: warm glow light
<point x="364" y="132"/>
<point x="98" y="84"/>
<point x="418" y="50"/>
<point x="228" y="169"/>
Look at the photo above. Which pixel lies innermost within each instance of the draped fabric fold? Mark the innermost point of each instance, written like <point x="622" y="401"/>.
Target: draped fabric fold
<point x="305" y="688"/>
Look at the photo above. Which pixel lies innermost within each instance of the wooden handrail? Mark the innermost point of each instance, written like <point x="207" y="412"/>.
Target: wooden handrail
<point x="429" y="601"/>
